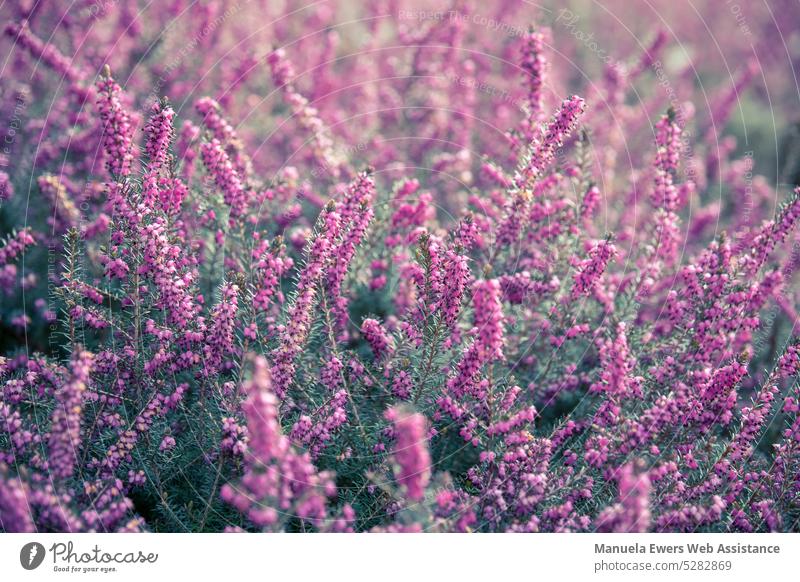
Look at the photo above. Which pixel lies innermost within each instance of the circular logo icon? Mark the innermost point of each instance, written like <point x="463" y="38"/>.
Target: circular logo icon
<point x="31" y="555"/>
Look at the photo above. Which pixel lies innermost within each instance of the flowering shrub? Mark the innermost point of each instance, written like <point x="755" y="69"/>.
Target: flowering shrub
<point x="385" y="299"/>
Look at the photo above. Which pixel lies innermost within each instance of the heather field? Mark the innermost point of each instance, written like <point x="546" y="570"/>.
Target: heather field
<point x="399" y="266"/>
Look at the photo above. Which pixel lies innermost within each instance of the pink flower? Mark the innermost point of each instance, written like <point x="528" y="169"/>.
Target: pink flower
<point x="6" y="187"/>
<point x="542" y="148"/>
<point x="789" y="362"/>
<point x="159" y="131"/>
<point x="15" y="507"/>
<point x="279" y="483"/>
<point x="167" y="444"/>
<point x="64" y="440"/>
<point x="410" y="451"/>
<point x="617" y="365"/>
<point x="632" y="513"/>
<point x="219" y="340"/>
<point x="306" y="115"/>
<point x="376" y="337"/>
<point x="294" y="333"/>
<point x="225" y="176"/>
<point x="590" y="270"/>
<point x="224" y="133"/>
<point x="117" y="128"/>
<point x="355" y="214"/>
<point x="487" y="346"/>
<point x="534" y="66"/>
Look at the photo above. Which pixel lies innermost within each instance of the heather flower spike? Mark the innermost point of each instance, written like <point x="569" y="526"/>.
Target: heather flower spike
<point x="410" y="451"/>
<point x="117" y="127"/>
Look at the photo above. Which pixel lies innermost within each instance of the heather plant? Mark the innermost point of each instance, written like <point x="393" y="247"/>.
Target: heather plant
<point x="431" y="282"/>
